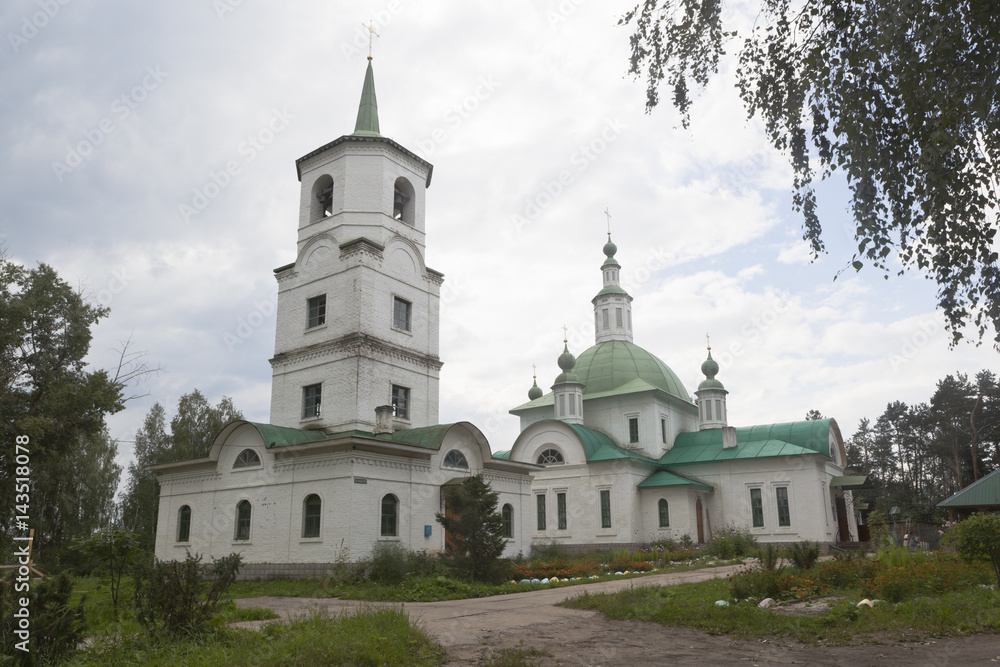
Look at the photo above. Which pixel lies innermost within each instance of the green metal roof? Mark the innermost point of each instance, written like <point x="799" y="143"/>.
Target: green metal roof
<point x="613" y="364"/>
<point x="505" y="455"/>
<point x="851" y="482"/>
<point x="662" y="478"/>
<point x="981" y="493"/>
<point x="612" y="289"/>
<point x="282" y="436"/>
<point x="367" y="123"/>
<point x="752" y="442"/>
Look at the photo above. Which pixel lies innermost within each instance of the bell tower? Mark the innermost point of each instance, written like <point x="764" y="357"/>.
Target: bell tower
<point x="358" y="308"/>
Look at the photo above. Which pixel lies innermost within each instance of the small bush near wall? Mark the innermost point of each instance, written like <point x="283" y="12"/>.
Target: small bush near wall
<point x="732" y="542"/>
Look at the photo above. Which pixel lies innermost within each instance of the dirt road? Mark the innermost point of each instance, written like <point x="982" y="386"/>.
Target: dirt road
<point x="472" y="629"/>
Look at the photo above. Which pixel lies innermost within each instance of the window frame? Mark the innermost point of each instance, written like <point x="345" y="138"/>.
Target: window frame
<point x="315" y="311"/>
<point x="633" y="433"/>
<point x="309" y="517"/>
<point x="461" y="463"/>
<point x="756" y="507"/>
<point x="243" y="462"/>
<point x="313" y="410"/>
<point x="243" y="524"/>
<point x="663" y="513"/>
<point x="561" y="520"/>
<point x="389" y="520"/>
<point x="400" y="395"/>
<point x="559" y="458"/>
<point x="184" y="524"/>
<point x="507" y="512"/>
<point x="540" y="522"/>
<point x="605" y="504"/>
<point x="786" y="520"/>
<point x="408" y="308"/>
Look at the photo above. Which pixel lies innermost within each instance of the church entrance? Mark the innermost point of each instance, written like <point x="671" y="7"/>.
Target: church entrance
<point x="700" y="518"/>
<point x="845" y="531"/>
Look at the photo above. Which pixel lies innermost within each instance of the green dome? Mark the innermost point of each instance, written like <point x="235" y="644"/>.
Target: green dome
<point x="609" y="365"/>
<point x="610" y="248"/>
<point x="710" y="367"/>
<point x="566" y="362"/>
<point x="535" y="391"/>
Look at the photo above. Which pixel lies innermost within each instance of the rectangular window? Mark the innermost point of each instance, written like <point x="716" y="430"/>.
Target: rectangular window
<point x="663" y="430"/>
<point x="400" y="402"/>
<point x="562" y="404"/>
<point x="561" y="510"/>
<point x="317" y="311"/>
<point x="629" y="317"/>
<point x="605" y="508"/>
<point x="401" y="311"/>
<point x="604" y="313"/>
<point x="757" y="508"/>
<point x="312" y="398"/>
<point x="540" y="511"/>
<point x="508" y="520"/>
<point x="709" y="411"/>
<point x="633" y="430"/>
<point x="784" y="515"/>
<point x="618" y="317"/>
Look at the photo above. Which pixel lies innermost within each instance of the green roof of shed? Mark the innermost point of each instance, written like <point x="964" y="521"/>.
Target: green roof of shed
<point x="752" y="442"/>
<point x="981" y="493"/>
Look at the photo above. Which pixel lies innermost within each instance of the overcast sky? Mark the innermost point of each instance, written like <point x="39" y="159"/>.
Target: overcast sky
<point x="116" y="115"/>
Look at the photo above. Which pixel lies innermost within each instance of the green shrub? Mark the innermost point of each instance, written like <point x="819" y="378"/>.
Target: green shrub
<point x="978" y="538"/>
<point x="803" y="554"/>
<point x="770" y="557"/>
<point x="732" y="542"/>
<point x="179" y="597"/>
<point x="55" y="627"/>
<point x="388" y="563"/>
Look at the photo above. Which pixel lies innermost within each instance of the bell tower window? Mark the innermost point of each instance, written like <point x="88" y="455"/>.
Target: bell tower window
<point x="322" y="198"/>
<point x="403" y="201"/>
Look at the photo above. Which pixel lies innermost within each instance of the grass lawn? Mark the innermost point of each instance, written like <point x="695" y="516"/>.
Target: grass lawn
<point x="924" y="601"/>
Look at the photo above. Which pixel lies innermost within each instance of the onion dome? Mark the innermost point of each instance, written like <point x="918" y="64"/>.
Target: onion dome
<point x="710" y="367"/>
<point x="535" y="392"/>
<point x="566" y="362"/>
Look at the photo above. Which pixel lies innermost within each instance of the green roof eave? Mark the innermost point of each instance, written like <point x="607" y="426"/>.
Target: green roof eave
<point x="806" y="438"/>
<point x="427" y="437"/>
<point x="983" y="492"/>
<point x="349" y="138"/>
<point x="851" y="482"/>
<point x="662" y="478"/>
<point x="611" y="289"/>
<point x="283" y="436"/>
<point x="638" y="385"/>
<point x="600" y="447"/>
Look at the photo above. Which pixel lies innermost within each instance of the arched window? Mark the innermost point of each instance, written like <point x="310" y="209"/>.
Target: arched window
<point x="403" y="201"/>
<point x="242" y="521"/>
<point x="322" y="198"/>
<point x="550" y="457"/>
<point x="184" y="524"/>
<point x="664" y="513"/>
<point x="311" y="508"/>
<point x="508" y="520"/>
<point x="390" y="515"/>
<point x="247" y="459"/>
<point x="456" y="459"/>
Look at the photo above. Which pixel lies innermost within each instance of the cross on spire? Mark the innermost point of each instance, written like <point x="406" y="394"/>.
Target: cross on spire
<point x="534" y="371"/>
<point x="709" y="341"/>
<point x="565" y="334"/>
<point x="607" y="212"/>
<point x="371" y="33"/>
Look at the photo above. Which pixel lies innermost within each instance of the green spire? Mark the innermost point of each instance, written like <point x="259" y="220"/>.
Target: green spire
<point x="367" y="125"/>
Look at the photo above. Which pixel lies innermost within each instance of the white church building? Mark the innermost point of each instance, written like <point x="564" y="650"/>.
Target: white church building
<point x="617" y="454"/>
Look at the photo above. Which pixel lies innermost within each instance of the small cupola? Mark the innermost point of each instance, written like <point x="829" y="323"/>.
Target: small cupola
<point x="612" y="305"/>
<point x="535" y="392"/>
<point x="711" y="396"/>
<point x="567" y="392"/>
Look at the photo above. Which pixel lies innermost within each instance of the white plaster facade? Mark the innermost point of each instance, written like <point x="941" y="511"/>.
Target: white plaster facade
<point x="354" y="395"/>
